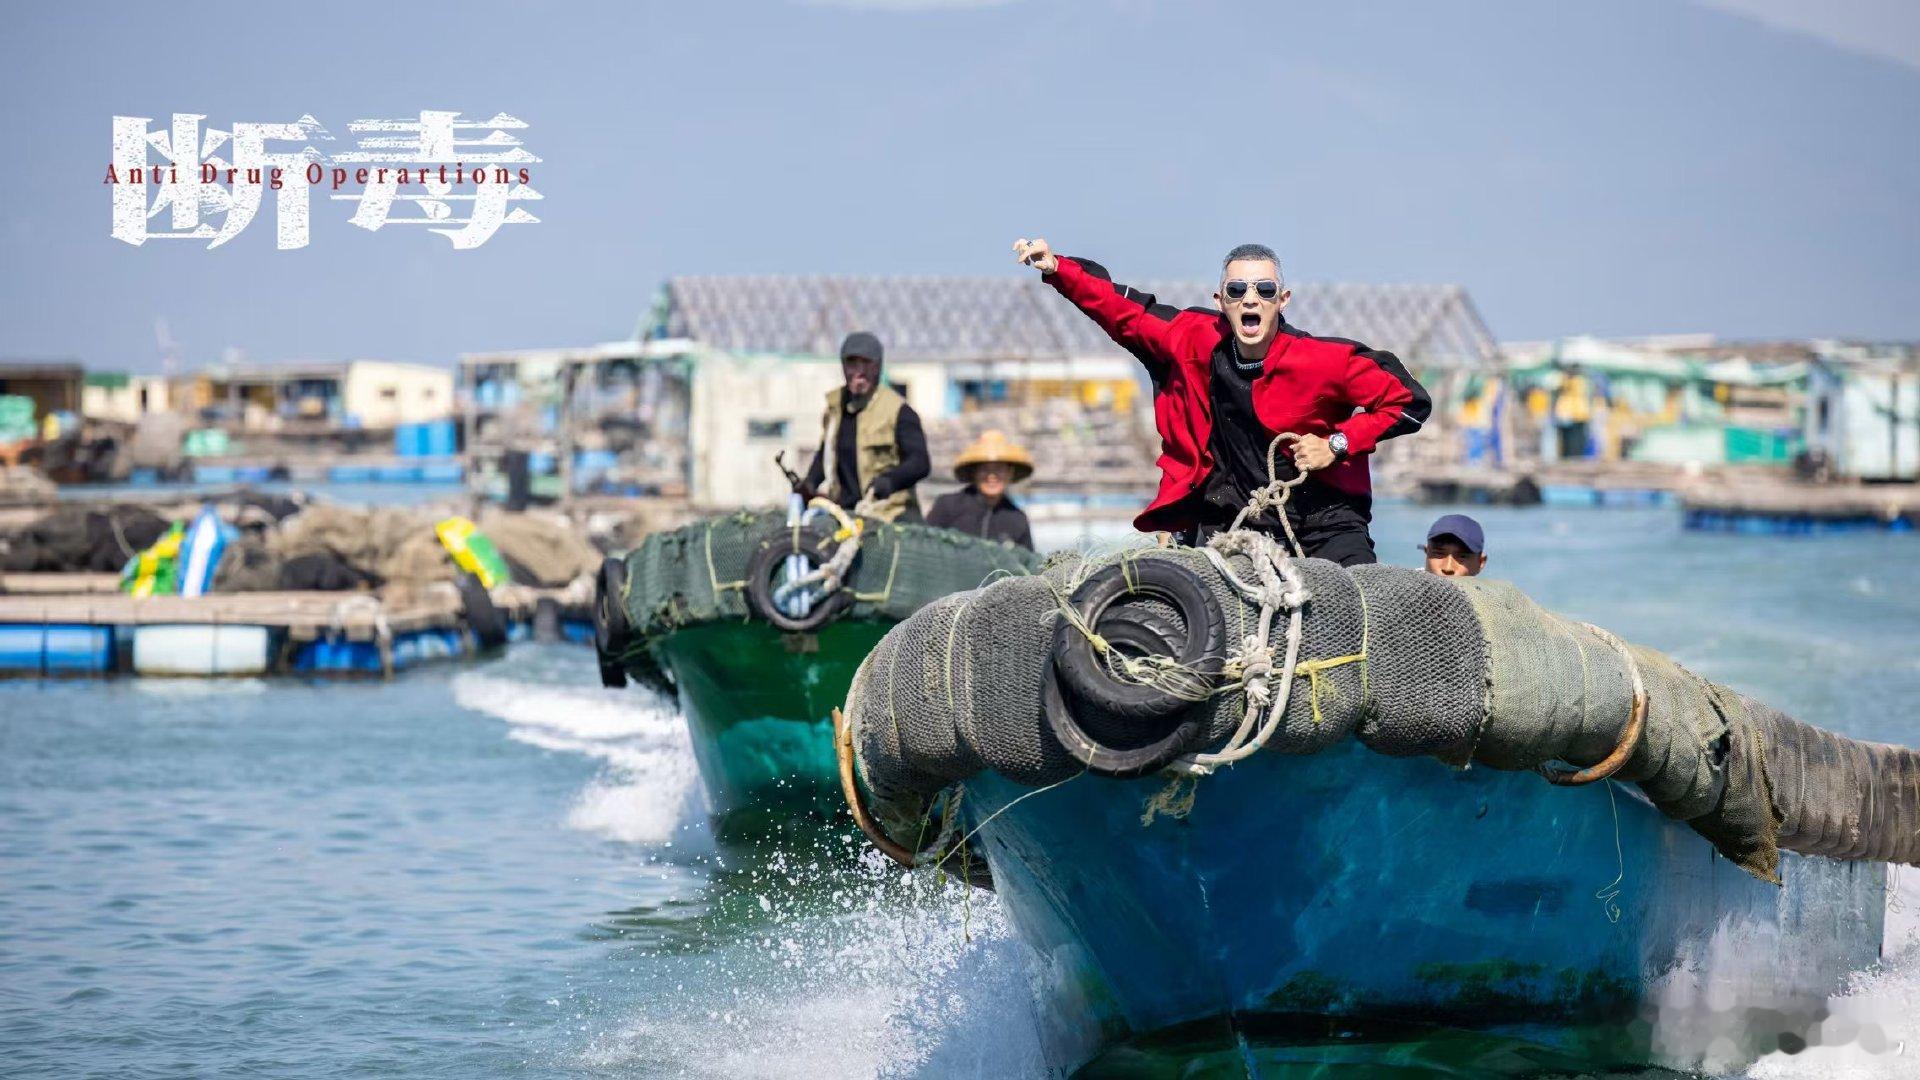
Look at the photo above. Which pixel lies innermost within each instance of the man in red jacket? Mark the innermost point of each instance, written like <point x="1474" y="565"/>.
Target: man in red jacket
<point x="1226" y="380"/>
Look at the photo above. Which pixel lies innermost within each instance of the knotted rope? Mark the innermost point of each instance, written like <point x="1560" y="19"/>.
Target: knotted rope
<point x="1273" y="495"/>
<point x="1279" y="585"/>
<point x="832" y="574"/>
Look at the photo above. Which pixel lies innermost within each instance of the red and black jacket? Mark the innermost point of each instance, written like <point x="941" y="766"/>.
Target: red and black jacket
<point x="1309" y="385"/>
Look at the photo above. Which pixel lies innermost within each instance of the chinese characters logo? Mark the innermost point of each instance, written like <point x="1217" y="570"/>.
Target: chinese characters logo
<point x="461" y="179"/>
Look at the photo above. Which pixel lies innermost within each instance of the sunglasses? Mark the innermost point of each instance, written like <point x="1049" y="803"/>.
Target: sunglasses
<point x="1267" y="288"/>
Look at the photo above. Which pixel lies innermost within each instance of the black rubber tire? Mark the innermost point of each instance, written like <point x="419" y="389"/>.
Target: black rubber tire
<point x="1103" y="760"/>
<point x="817" y="546"/>
<point x="1201" y="648"/>
<point x="488" y="624"/>
<point x="612" y="634"/>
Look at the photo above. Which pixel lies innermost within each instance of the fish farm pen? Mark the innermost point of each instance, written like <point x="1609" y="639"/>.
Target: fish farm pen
<point x="76" y="625"/>
<point x="1804" y="509"/>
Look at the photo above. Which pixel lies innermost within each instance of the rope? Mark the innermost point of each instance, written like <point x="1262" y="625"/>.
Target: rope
<point x="1175" y="800"/>
<point x="1280" y="585"/>
<point x="713" y="576"/>
<point x="832" y="574"/>
<point x="1273" y="495"/>
<point x="1312" y="669"/>
<point x="1161" y="672"/>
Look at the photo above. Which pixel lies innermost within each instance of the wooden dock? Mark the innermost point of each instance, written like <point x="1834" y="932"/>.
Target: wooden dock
<point x="77" y="624"/>
<point x="303" y="615"/>
<point x="1794" y="508"/>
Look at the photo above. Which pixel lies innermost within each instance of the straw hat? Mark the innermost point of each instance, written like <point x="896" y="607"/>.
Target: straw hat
<point x="993" y="446"/>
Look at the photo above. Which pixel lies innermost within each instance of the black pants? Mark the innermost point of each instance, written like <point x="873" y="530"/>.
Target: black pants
<point x="1346" y="543"/>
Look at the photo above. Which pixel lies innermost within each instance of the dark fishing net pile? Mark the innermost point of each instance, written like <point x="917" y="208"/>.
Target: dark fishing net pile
<point x="1462" y="670"/>
<point x="697" y="574"/>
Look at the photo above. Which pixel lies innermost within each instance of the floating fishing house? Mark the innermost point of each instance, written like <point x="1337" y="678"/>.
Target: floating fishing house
<point x="970" y="353"/>
<point x="78" y="625"/>
<point x="1229" y="794"/>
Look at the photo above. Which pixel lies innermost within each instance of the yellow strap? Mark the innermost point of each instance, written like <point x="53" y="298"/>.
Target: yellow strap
<point x="1312" y="669"/>
<point x="885" y="594"/>
<point x="713" y="576"/>
<point x="1366" y="629"/>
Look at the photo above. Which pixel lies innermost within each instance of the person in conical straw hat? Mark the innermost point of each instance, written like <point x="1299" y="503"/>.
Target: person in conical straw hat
<point x="989" y="467"/>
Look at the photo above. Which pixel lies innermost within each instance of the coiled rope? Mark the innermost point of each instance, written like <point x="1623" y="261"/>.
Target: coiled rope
<point x="832" y="574"/>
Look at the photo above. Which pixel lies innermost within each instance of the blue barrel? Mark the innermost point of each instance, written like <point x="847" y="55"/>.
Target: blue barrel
<point x="424" y="645"/>
<point x="338" y="658"/>
<point x="443" y="472"/>
<point x="55" y="649"/>
<point x="1568" y="495"/>
<point x="439" y="438"/>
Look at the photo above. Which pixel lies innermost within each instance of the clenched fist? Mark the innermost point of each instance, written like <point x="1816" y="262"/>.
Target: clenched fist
<point x="1037" y="254"/>
<point x="1312" y="452"/>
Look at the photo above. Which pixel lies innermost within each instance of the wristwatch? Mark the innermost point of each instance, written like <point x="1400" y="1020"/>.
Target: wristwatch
<point x="1338" y="442"/>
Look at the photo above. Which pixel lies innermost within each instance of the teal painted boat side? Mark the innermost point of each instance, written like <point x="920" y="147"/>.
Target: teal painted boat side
<point x="1351" y="885"/>
<point x="758" y="706"/>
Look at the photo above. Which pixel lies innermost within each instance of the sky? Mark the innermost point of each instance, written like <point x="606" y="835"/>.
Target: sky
<point x="1748" y="168"/>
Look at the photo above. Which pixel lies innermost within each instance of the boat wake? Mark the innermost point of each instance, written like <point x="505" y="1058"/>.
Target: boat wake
<point x="872" y="973"/>
<point x="1873" y="1029"/>
<point x="876" y="975"/>
<point x="650" y="790"/>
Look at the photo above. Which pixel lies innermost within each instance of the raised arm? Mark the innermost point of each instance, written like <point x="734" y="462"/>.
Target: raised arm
<point x="1135" y="320"/>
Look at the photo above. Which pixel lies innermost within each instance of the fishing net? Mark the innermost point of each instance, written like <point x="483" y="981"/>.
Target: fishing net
<point x="698" y="574"/>
<point x="1463" y="670"/>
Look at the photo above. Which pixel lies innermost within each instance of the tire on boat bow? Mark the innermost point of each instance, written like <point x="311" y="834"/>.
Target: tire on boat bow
<point x="1104" y="702"/>
<point x="814" y="545"/>
<point x="612" y="634"/>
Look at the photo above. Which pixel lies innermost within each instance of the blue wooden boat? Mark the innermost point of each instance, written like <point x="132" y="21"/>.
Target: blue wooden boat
<point x="1346" y="889"/>
<point x="1360" y="893"/>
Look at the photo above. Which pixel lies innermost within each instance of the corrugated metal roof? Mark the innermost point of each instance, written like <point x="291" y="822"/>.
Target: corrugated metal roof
<point x="1009" y="318"/>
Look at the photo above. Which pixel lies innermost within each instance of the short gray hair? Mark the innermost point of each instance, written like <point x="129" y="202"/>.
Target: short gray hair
<point x="1250" y="252"/>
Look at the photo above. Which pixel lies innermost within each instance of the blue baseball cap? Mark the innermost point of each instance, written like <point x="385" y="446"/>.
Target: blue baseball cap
<point x="1461" y="528"/>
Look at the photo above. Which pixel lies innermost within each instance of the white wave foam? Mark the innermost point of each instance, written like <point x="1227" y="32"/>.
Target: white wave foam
<point x="650" y="792"/>
<point x="1873" y="1031"/>
<point x="909" y="977"/>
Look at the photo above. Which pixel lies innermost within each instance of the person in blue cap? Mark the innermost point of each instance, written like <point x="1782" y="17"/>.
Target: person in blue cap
<point x="1456" y="547"/>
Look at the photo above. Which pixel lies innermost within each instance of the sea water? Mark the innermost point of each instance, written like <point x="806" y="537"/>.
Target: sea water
<point x="500" y="869"/>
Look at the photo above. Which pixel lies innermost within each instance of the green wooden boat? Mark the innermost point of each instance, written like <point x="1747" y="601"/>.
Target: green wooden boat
<point x="720" y="616"/>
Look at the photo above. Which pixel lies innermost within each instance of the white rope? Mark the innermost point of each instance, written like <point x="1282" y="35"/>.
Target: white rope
<point x="1281" y="585"/>
<point x="1274" y="493"/>
<point x="832" y="574"/>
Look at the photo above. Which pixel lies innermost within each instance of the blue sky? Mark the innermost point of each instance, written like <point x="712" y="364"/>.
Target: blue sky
<point x="1745" y="167"/>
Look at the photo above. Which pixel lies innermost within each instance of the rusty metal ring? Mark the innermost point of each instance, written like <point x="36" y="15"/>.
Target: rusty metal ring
<point x="1606" y="766"/>
<point x="850" y="787"/>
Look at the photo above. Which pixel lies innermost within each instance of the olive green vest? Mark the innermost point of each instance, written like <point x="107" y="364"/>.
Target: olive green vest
<point x="873" y="435"/>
